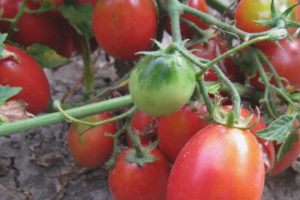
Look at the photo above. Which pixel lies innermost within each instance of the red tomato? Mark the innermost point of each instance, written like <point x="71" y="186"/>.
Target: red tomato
<point x="25" y="72"/>
<point x="120" y="29"/>
<point x="187" y="32"/>
<point x="145" y="125"/>
<point x="129" y="181"/>
<point x="212" y="49"/>
<point x="91" y="148"/>
<point x="249" y="11"/>
<point x="176" y="129"/>
<point x="286" y="61"/>
<point x="218" y="163"/>
<point x="287" y="160"/>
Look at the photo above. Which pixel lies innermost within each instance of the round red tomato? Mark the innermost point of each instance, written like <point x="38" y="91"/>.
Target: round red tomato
<point x="217" y="163"/>
<point x="23" y="71"/>
<point x="212" y="49"/>
<point x="187" y="32"/>
<point x="91" y="148"/>
<point x="148" y="182"/>
<point x="124" y="27"/>
<point x="176" y="129"/>
<point x="144" y="125"/>
<point x="285" y="60"/>
<point x="249" y="11"/>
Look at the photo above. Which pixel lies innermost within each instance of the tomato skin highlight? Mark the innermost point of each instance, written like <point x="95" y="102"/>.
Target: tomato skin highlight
<point x="92" y="148"/>
<point x="25" y="72"/>
<point x="218" y="162"/>
<point x="119" y="26"/>
<point x="149" y="182"/>
<point x="176" y="129"/>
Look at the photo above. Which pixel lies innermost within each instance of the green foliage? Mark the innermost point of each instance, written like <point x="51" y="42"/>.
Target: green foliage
<point x="7" y="92"/>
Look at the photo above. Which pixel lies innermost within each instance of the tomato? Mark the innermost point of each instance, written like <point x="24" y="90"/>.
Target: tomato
<point x="144" y="125"/>
<point x="287" y="160"/>
<point x="285" y="60"/>
<point x="23" y="71"/>
<point x="91" y="148"/>
<point x="187" y="32"/>
<point x="120" y="29"/>
<point x="249" y="11"/>
<point x="46" y="29"/>
<point x="212" y="49"/>
<point x="161" y="85"/>
<point x="176" y="129"/>
<point x="92" y="2"/>
<point x="148" y="182"/>
<point x="218" y="162"/>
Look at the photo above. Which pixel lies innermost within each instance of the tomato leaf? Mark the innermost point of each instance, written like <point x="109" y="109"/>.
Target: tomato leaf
<point x="279" y="130"/>
<point x="213" y="87"/>
<point x="46" y="56"/>
<point x="79" y="16"/>
<point x="286" y="146"/>
<point x="2" y="39"/>
<point x="6" y="92"/>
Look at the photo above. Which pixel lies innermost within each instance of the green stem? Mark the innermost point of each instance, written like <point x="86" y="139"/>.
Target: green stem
<point x="17" y="18"/>
<point x="174" y="12"/>
<point x="221" y="7"/>
<point x="89" y="76"/>
<point x="205" y="95"/>
<point x="83" y="111"/>
<point x="135" y="142"/>
<point x="200" y="33"/>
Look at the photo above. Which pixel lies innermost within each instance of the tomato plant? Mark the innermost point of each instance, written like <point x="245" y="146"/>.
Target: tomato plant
<point x="129" y="181"/>
<point x="186" y="31"/>
<point x="119" y="27"/>
<point x="176" y="129"/>
<point x="161" y="85"/>
<point x="21" y="70"/>
<point x="217" y="163"/>
<point x="89" y="146"/>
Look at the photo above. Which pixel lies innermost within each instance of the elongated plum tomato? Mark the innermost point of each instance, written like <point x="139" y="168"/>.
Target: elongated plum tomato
<point x="23" y="71"/>
<point x="124" y="27"/>
<point x="161" y="85"/>
<point x="128" y="181"/>
<point x="176" y="129"/>
<point x="187" y="32"/>
<point x="249" y="11"/>
<point x="218" y="162"/>
<point x="91" y="148"/>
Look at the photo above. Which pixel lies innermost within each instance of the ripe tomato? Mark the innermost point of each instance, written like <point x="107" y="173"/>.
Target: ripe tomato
<point x="217" y="163"/>
<point x="187" y="32"/>
<point x="212" y="49"/>
<point x="23" y="71"/>
<point x="144" y="125"/>
<point x="91" y="148"/>
<point x="148" y="182"/>
<point x="286" y="61"/>
<point x="249" y="11"/>
<point x="161" y="85"/>
<point x="46" y="29"/>
<point x="176" y="129"/>
<point x="119" y="26"/>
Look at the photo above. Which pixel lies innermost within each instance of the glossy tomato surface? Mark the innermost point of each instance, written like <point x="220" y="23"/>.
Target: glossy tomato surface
<point x="249" y="11"/>
<point x="148" y="182"/>
<point x="23" y="71"/>
<point x="124" y="27"/>
<point x="285" y="60"/>
<point x="218" y="163"/>
<point x="187" y="32"/>
<point x="176" y="129"/>
<point x="91" y="148"/>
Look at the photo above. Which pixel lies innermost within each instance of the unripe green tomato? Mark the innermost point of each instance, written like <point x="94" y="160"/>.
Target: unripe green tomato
<point x="161" y="85"/>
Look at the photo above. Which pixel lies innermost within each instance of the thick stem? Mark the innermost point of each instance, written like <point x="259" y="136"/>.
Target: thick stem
<point x="221" y="7"/>
<point x="135" y="142"/>
<point x="17" y="18"/>
<point x="205" y="95"/>
<point x="89" y="76"/>
<point x="83" y="111"/>
<point x="174" y="12"/>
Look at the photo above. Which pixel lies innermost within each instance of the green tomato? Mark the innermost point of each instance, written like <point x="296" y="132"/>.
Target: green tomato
<point x="161" y="85"/>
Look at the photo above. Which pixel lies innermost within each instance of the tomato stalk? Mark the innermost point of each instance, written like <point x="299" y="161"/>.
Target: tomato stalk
<point x="135" y="142"/>
<point x="205" y="95"/>
<point x="174" y="12"/>
<point x="17" y="18"/>
<point x="221" y="7"/>
<point x="89" y="71"/>
<point x="199" y="32"/>
<point x="83" y="111"/>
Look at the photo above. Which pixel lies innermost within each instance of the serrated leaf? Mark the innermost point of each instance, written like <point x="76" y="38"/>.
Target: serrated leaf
<point x="286" y="146"/>
<point x="79" y="16"/>
<point x="269" y="23"/>
<point x="46" y="56"/>
<point x="289" y="10"/>
<point x="274" y="12"/>
<point x="6" y="92"/>
<point x="279" y="129"/>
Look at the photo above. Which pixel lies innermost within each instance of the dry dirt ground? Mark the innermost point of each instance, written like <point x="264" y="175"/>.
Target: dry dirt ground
<point x="36" y="165"/>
